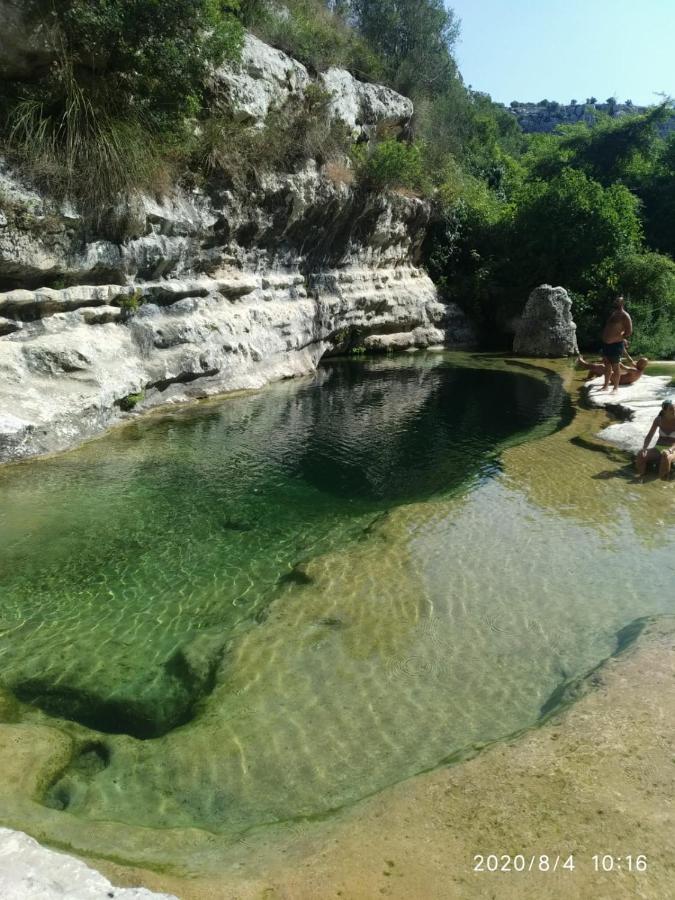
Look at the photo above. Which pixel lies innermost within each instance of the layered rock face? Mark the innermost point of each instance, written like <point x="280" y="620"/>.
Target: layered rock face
<point x="209" y="291"/>
<point x="546" y="327"/>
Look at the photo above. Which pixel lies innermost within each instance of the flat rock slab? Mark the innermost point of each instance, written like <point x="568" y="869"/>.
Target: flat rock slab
<point x="639" y="403"/>
<point x="31" y="872"/>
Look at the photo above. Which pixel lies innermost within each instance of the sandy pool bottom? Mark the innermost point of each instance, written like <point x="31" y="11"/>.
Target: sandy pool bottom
<point x="598" y="778"/>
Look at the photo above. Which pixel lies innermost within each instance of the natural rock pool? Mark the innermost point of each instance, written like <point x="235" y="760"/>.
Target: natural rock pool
<point x="265" y="608"/>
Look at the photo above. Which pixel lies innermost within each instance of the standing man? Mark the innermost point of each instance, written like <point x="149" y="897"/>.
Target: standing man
<point x="615" y="334"/>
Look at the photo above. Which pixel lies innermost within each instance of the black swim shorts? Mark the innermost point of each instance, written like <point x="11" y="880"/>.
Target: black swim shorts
<point x="613" y="352"/>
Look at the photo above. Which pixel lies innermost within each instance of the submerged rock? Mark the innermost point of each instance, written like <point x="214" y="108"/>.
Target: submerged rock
<point x="166" y="699"/>
<point x="546" y="327"/>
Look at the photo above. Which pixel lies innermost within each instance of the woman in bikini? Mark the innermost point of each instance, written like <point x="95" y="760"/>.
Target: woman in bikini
<point x="664" y="451"/>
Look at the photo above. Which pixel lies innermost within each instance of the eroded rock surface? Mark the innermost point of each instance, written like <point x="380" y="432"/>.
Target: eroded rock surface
<point x="31" y="872"/>
<point x="546" y="327"/>
<point x="211" y="290"/>
<point x="638" y="404"/>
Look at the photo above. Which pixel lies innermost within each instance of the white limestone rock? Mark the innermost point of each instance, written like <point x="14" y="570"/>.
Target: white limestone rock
<point x="638" y="403"/>
<point x="63" y="376"/>
<point x="362" y="107"/>
<point x="546" y="327"/>
<point x="201" y="293"/>
<point x="264" y="79"/>
<point x="29" y="871"/>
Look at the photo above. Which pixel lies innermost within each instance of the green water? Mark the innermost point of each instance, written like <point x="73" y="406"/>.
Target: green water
<point x="275" y="605"/>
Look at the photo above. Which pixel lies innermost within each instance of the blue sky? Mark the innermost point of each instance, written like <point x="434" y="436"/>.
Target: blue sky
<point x="564" y="49"/>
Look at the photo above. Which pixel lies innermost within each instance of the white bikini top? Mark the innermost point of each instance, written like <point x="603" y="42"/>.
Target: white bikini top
<point x="666" y="434"/>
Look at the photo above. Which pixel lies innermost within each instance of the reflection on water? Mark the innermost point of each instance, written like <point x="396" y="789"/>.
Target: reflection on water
<point x="145" y="574"/>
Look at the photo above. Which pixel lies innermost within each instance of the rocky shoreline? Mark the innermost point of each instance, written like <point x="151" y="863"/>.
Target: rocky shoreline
<point x="636" y="405"/>
<point x="214" y="288"/>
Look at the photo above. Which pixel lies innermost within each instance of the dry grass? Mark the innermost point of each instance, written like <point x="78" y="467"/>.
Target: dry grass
<point x="339" y="173"/>
<point x="406" y="192"/>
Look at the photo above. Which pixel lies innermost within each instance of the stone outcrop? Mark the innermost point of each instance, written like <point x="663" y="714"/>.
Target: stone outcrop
<point x="364" y="107"/>
<point x="638" y="404"/>
<point x="546" y="327"/>
<point x="31" y="872"/>
<point x="546" y="117"/>
<point x="267" y="79"/>
<point x="208" y="290"/>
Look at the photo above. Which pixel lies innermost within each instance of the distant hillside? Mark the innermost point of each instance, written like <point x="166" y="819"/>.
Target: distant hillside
<point x="546" y="116"/>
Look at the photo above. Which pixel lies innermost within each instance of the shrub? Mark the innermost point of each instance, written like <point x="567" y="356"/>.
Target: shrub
<point x="648" y="282"/>
<point x="389" y="164"/>
<point x="125" y="77"/>
<point x="308" y="31"/>
<point x="130" y="303"/>
<point x="129" y="402"/>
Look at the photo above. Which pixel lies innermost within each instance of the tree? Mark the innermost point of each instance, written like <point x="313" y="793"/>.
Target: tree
<point x="571" y="231"/>
<point x="415" y="38"/>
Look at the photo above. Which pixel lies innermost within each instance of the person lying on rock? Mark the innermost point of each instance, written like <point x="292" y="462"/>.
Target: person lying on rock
<point x="664" y="451"/>
<point x="615" y="334"/>
<point x="628" y="374"/>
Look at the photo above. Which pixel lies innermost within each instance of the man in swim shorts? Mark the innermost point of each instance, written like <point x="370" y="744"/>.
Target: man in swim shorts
<point x="615" y="334"/>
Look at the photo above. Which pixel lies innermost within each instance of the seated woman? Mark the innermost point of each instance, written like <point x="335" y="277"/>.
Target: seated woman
<point x="664" y="451"/>
<point x="629" y="374"/>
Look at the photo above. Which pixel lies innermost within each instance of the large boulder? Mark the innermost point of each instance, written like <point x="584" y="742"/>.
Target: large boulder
<point x="365" y="107"/>
<point x="264" y="79"/>
<point x="546" y="327"/>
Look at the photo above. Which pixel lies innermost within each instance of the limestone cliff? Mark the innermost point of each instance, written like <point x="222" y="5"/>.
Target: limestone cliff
<point x="546" y="117"/>
<point x="211" y="289"/>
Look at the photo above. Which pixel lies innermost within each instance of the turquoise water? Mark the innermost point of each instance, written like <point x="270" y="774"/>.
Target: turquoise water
<point x="114" y="558"/>
<point x="274" y="605"/>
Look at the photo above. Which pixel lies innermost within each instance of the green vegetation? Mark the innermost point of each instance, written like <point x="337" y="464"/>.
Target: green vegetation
<point x="129" y="402"/>
<point x="123" y="103"/>
<point x="588" y="208"/>
<point x="316" y="33"/>
<point x="389" y="164"/>
<point x="124" y="78"/>
<point x="130" y="303"/>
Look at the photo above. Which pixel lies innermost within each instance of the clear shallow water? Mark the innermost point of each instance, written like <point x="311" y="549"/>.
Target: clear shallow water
<point x="304" y="595"/>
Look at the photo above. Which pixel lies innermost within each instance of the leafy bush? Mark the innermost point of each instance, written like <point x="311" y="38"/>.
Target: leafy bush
<point x="308" y="31"/>
<point x="389" y="164"/>
<point x="648" y="282"/>
<point x="130" y="303"/>
<point x="564" y="227"/>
